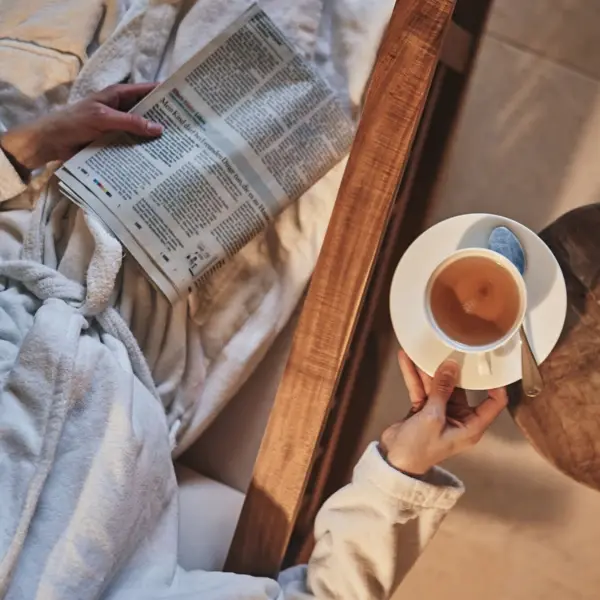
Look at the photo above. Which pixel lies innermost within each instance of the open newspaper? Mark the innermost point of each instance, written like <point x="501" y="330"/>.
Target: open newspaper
<point x="248" y="127"/>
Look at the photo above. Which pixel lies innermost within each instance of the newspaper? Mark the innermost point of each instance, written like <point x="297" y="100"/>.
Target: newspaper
<point x="248" y="127"/>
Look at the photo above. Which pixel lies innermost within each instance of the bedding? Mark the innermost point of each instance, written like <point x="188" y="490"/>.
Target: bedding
<point x="200" y="352"/>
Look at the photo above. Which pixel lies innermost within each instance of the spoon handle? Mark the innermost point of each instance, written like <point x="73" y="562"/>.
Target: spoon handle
<point x="532" y="378"/>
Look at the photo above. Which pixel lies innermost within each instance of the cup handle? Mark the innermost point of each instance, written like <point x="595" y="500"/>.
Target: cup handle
<point x="483" y="364"/>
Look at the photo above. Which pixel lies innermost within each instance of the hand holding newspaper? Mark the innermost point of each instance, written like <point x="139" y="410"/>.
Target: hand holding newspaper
<point x="248" y="127"/>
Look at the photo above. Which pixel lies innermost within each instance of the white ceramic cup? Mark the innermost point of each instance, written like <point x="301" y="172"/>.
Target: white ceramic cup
<point x="482" y="352"/>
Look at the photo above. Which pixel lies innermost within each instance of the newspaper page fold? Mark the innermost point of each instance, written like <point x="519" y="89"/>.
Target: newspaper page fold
<point x="248" y="127"/>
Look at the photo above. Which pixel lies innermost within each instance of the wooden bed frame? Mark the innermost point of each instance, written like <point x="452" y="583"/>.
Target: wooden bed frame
<point x="326" y="392"/>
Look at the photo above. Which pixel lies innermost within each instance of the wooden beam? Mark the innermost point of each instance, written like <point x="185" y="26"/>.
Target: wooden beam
<point x="356" y="393"/>
<point x="393" y="104"/>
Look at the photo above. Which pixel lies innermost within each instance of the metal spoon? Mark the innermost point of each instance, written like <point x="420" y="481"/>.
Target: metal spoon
<point x="505" y="242"/>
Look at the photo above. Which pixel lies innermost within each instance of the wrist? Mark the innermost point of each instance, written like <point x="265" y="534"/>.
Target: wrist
<point x="402" y="464"/>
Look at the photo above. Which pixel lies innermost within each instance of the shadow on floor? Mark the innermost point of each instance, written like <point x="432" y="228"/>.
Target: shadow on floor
<point x="505" y="428"/>
<point x="506" y="491"/>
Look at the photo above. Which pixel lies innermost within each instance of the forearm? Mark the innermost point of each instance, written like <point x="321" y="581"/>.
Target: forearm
<point x="369" y="534"/>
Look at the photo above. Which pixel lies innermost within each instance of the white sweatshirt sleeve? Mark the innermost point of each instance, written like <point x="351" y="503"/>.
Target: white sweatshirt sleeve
<point x="369" y="534"/>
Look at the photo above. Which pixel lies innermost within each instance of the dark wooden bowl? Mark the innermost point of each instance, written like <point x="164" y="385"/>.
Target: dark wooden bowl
<point x="563" y="422"/>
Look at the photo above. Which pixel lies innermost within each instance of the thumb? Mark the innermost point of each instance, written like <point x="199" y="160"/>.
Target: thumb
<point x="115" y="120"/>
<point x="443" y="384"/>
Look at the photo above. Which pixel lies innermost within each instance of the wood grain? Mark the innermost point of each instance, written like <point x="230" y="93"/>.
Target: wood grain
<point x="370" y="345"/>
<point x="391" y="114"/>
<point x="356" y="394"/>
<point x="563" y="422"/>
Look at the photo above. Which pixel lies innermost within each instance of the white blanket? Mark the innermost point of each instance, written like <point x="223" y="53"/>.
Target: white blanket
<point x="101" y="377"/>
<point x="199" y="354"/>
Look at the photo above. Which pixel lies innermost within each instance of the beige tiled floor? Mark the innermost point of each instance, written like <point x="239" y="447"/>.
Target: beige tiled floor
<point x="529" y="140"/>
<point x="528" y="147"/>
<point x="565" y="31"/>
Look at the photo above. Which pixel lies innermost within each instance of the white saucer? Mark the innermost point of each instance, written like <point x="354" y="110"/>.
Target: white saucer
<point x="546" y="291"/>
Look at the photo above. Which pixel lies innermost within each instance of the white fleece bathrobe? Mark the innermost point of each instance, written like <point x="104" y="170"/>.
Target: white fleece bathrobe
<point x="100" y="377"/>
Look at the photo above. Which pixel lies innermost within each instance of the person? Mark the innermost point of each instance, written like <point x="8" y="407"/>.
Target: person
<point x="363" y="547"/>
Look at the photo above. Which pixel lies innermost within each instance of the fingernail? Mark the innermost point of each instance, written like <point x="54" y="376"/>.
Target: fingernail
<point x="450" y="367"/>
<point x="154" y="128"/>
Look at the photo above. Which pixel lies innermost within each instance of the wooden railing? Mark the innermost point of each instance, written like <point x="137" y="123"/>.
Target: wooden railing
<point x="392" y="111"/>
